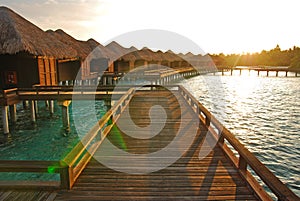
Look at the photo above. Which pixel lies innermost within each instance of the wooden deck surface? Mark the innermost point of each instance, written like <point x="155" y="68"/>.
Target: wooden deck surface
<point x="27" y="195"/>
<point x="212" y="178"/>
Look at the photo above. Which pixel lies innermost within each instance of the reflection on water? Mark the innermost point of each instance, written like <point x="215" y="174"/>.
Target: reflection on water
<point x="263" y="112"/>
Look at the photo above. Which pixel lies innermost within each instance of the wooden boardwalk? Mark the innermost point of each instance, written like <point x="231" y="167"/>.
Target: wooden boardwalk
<point x="212" y="178"/>
<point x="220" y="175"/>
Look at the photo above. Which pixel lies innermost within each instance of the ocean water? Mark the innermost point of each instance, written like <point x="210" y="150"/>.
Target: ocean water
<point x="262" y="112"/>
<point x="45" y="140"/>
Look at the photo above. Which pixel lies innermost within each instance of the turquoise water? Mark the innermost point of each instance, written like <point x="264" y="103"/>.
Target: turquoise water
<point x="45" y="140"/>
<point x="263" y="112"/>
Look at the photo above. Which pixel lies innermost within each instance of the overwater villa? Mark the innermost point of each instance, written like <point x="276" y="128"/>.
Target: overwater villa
<point x="28" y="55"/>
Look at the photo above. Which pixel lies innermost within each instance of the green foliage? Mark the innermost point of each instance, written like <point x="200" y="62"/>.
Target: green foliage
<point x="273" y="57"/>
<point x="295" y="61"/>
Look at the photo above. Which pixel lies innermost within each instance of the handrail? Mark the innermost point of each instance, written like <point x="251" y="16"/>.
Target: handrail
<point x="66" y="90"/>
<point x="80" y="155"/>
<point x="35" y="167"/>
<point x="6" y="92"/>
<point x="246" y="158"/>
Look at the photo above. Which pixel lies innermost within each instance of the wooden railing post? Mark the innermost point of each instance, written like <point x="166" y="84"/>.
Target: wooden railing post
<point x="221" y="139"/>
<point x="207" y="121"/>
<point x="66" y="176"/>
<point x="242" y="164"/>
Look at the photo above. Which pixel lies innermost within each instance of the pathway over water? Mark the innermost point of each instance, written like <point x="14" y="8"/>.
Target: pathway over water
<point x="213" y="177"/>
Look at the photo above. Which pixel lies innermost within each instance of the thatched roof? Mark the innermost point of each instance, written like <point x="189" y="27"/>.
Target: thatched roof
<point x="159" y="55"/>
<point x="19" y="35"/>
<point x="105" y="52"/>
<point x="171" y="56"/>
<point x="117" y="48"/>
<point x="148" y="55"/>
<point x="127" y="54"/>
<point x="81" y="47"/>
<point x="121" y="52"/>
<point x="132" y="49"/>
<point x="92" y="43"/>
<point x="180" y="55"/>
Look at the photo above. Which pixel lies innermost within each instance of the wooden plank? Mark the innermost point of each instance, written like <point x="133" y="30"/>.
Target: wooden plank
<point x="53" y="72"/>
<point x="37" y="185"/>
<point x="18" y="195"/>
<point x="47" y="71"/>
<point x="41" y="68"/>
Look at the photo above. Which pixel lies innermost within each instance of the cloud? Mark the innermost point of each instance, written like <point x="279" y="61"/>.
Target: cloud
<point x="73" y="16"/>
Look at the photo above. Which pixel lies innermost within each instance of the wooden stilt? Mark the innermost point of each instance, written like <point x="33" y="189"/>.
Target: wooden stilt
<point x="65" y="114"/>
<point x="46" y="103"/>
<point x="25" y="105"/>
<point x="36" y="107"/>
<point x="109" y="80"/>
<point x="107" y="103"/>
<point x="5" y="119"/>
<point x="32" y="111"/>
<point x="104" y="80"/>
<point x="51" y="107"/>
<point x="65" y="118"/>
<point x="13" y="113"/>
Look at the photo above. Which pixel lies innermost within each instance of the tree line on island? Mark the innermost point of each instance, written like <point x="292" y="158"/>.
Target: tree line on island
<point x="273" y="57"/>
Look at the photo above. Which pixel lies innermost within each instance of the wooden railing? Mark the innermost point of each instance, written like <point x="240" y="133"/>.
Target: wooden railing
<point x="8" y="95"/>
<point x="8" y="92"/>
<point x="81" y="154"/>
<point x="245" y="157"/>
<point x="37" y="92"/>
<point x="59" y="90"/>
<point x="46" y="167"/>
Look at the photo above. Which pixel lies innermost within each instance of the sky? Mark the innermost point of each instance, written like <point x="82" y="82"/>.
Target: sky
<point x="227" y="26"/>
